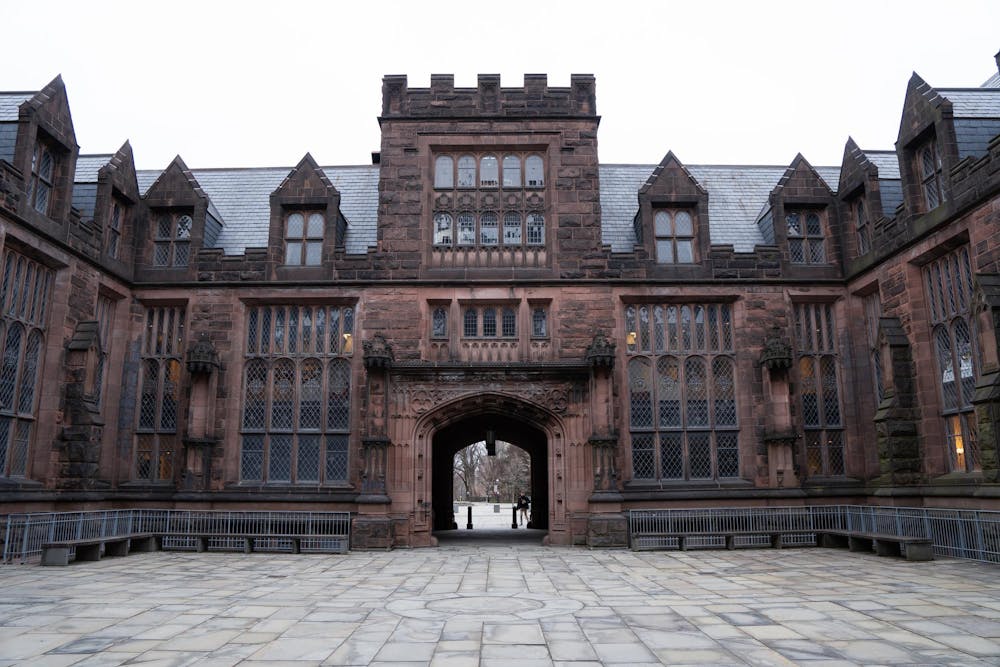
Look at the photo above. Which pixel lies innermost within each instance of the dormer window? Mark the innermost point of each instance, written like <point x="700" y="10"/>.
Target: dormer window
<point x="929" y="165"/>
<point x="172" y="246"/>
<point x="674" y="231"/>
<point x="806" y="243"/>
<point x="43" y="168"/>
<point x="304" y="239"/>
<point x="861" y="227"/>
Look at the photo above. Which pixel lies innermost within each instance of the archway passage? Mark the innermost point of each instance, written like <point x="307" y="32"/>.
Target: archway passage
<point x="471" y="429"/>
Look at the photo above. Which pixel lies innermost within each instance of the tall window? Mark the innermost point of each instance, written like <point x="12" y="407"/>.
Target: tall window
<point x="539" y="322"/>
<point x="24" y="299"/>
<point x="806" y="244"/>
<point x="105" y="316"/>
<point x="304" y="239"/>
<point x="682" y="392"/>
<point x="114" y="235"/>
<point x="507" y="214"/>
<point x="818" y="388"/>
<point x="929" y="166"/>
<point x="172" y="245"/>
<point x="873" y="311"/>
<point x="159" y="393"/>
<point x="297" y="394"/>
<point x="674" y="231"/>
<point x="43" y="168"/>
<point x="949" y="295"/>
<point x="439" y="322"/>
<point x="861" y="226"/>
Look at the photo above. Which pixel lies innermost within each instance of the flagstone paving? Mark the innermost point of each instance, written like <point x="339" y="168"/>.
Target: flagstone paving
<point x="488" y="604"/>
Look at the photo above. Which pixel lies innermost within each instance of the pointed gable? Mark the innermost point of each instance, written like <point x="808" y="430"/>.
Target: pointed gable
<point x="49" y="110"/>
<point x="922" y="107"/>
<point x="306" y="181"/>
<point x="801" y="182"/>
<point x="175" y="187"/>
<point x="672" y="179"/>
<point x="120" y="172"/>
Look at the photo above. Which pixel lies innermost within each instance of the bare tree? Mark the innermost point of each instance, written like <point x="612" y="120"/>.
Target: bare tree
<point x="467" y="462"/>
<point x="508" y="472"/>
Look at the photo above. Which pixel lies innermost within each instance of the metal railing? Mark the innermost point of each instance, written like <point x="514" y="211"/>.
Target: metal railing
<point x="967" y="534"/>
<point x="24" y="534"/>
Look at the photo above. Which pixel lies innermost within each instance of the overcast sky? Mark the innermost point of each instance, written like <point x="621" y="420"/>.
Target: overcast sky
<point x="259" y="84"/>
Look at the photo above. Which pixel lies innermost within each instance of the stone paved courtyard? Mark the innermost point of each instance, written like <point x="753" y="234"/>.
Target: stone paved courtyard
<point x="502" y="604"/>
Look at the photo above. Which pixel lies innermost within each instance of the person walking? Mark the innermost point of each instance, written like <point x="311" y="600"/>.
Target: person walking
<point x="524" y="504"/>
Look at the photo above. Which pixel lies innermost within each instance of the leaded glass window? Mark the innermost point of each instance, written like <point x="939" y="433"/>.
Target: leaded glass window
<point x="156" y="442"/>
<point x="539" y="322"/>
<point x="806" y="241"/>
<point x="114" y="231"/>
<point x="502" y="216"/>
<point x="304" y="238"/>
<point x="949" y="286"/>
<point x="861" y="226"/>
<point x="43" y="170"/>
<point x="439" y="322"/>
<point x="819" y="392"/>
<point x="297" y="394"/>
<point x="674" y="233"/>
<point x="682" y="392"/>
<point x="489" y="322"/>
<point x="172" y="241"/>
<point x="929" y="168"/>
<point x="24" y="306"/>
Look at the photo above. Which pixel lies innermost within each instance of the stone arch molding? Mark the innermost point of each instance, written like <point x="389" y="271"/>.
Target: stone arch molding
<point x="469" y="403"/>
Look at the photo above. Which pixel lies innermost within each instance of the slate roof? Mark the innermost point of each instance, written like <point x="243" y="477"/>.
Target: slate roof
<point x="87" y="167"/>
<point x="973" y="102"/>
<point x="736" y="195"/>
<point x="9" y="103"/>
<point x="992" y="82"/>
<point x="887" y="163"/>
<point x="242" y="199"/>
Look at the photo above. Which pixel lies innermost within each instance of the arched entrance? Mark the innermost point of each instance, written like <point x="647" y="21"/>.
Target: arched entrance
<point x="466" y="422"/>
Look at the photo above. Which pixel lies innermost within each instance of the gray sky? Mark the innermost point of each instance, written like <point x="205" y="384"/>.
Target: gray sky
<point x="233" y="84"/>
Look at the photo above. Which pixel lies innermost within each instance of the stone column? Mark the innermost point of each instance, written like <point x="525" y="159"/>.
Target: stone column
<point x="897" y="417"/>
<point x="79" y="443"/>
<point x="780" y="434"/>
<point x="372" y="527"/>
<point x="199" y="439"/>
<point x="607" y="525"/>
<point x="987" y="396"/>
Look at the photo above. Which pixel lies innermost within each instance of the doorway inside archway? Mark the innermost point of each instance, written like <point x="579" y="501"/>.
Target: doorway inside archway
<point x="508" y="433"/>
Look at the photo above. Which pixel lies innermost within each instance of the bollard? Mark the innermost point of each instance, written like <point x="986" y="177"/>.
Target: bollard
<point x="513" y="519"/>
<point x="468" y="526"/>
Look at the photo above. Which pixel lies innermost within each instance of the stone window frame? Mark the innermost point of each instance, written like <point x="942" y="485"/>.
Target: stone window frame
<point x="948" y="283"/>
<point x="24" y="299"/>
<point x="158" y="417"/>
<point x="805" y="237"/>
<point x="671" y="342"/>
<point x="309" y="240"/>
<point x="44" y="168"/>
<point x="297" y="351"/>
<point x="466" y="175"/>
<point x="818" y="377"/>
<point x="104" y="313"/>
<point x="172" y="238"/>
<point x="539" y="321"/>
<point x="489" y="321"/>
<point x="673" y="238"/>
<point x="439" y="321"/>
<point x="872" y="304"/>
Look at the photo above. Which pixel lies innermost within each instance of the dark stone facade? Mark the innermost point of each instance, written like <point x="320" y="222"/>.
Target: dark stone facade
<point x="557" y="383"/>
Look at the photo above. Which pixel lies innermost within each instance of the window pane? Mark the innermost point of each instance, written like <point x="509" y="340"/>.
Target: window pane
<point x="683" y="225"/>
<point x="511" y="228"/>
<point x="336" y="458"/>
<point x="640" y="393"/>
<point x="489" y="322"/>
<point x="488" y="229"/>
<point x="161" y="254"/>
<point x="466" y="229"/>
<point x="255" y="395"/>
<point x="307" y="468"/>
<point x="314" y="253"/>
<point x="661" y="224"/>
<point x="442" y="229"/>
<point x="685" y="251"/>
<point x="163" y="227"/>
<point x="817" y="254"/>
<point x="444" y="173"/>
<point x="252" y="458"/>
<point x="466" y="171"/>
<point x="539" y="323"/>
<point x="813" y="227"/>
<point x="511" y="171"/>
<point x="488" y="171"/>
<point x="672" y="455"/>
<point x="295" y="226"/>
<point x="534" y="172"/>
<point x="794" y="222"/>
<point x="727" y="453"/>
<point x="315" y="228"/>
<point x="184" y="227"/>
<point x="181" y="251"/>
<point x="293" y="253"/>
<point x="439" y="327"/>
<point x="283" y="394"/>
<point x="700" y="455"/>
<point x="470" y="328"/>
<point x="311" y="394"/>
<point x="643" y="462"/>
<point x="724" y="391"/>
<point x="665" y="251"/>
<point x="668" y="392"/>
<point x="810" y="401"/>
<point x="339" y="407"/>
<point x="536" y="229"/>
<point x="796" y="251"/>
<point x="280" y="464"/>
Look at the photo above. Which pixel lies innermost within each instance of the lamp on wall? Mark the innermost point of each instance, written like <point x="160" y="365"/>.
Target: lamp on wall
<point x="491" y="442"/>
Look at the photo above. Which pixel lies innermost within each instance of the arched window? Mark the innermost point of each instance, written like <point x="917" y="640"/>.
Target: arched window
<point x="818" y="389"/>
<point x="511" y="228"/>
<point x="304" y="239"/>
<point x="470" y="324"/>
<point x="466" y="229"/>
<point x="508" y="323"/>
<point x="534" y="171"/>
<point x="511" y="171"/>
<point x="536" y="229"/>
<point x="539" y="323"/>
<point x="159" y="394"/>
<point x="439" y="323"/>
<point x="444" y="172"/>
<point x="442" y="229"/>
<point x="806" y="242"/>
<point x="466" y="171"/>
<point x="489" y="168"/>
<point x="489" y="322"/>
<point x="488" y="228"/>
<point x="674" y="233"/>
<point x="172" y="243"/>
<point x="929" y="162"/>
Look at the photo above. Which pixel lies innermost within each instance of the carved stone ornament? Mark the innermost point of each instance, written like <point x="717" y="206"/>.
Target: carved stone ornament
<point x="777" y="354"/>
<point x="377" y="352"/>
<point x="601" y="351"/>
<point x="202" y="358"/>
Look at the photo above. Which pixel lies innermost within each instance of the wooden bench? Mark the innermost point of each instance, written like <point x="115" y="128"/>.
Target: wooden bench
<point x="57" y="552"/>
<point x="776" y="537"/>
<point x="911" y="547"/>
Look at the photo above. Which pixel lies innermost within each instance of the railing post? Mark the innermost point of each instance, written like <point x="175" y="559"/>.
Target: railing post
<point x="6" y="539"/>
<point x="980" y="542"/>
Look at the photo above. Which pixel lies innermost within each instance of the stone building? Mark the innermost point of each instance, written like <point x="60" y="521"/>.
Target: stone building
<point x="652" y="335"/>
